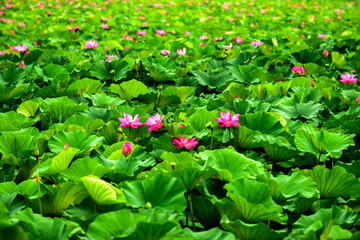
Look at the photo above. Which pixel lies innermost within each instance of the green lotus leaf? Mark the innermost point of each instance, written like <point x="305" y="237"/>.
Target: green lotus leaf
<point x="85" y="86"/>
<point x="12" y="76"/>
<point x="38" y="227"/>
<point x="252" y="201"/>
<point x="28" y="108"/>
<point x="351" y="167"/>
<point x="244" y="137"/>
<point x="250" y="231"/>
<point x="212" y="80"/>
<point x="242" y="74"/>
<point x="12" y="121"/>
<point x="161" y="69"/>
<point x="33" y="56"/>
<point x="60" y="111"/>
<point x="163" y="144"/>
<point x="60" y="198"/>
<point x="160" y="190"/>
<point x="121" y="68"/>
<point x="308" y="139"/>
<point x="241" y="58"/>
<point x="293" y="110"/>
<point x="230" y="164"/>
<point x="76" y="139"/>
<point x="334" y="183"/>
<point x="29" y="189"/>
<point x="7" y="93"/>
<point x="57" y="164"/>
<point x="278" y="149"/>
<point x="103" y="100"/>
<point x="88" y="124"/>
<point x="205" y="211"/>
<point x="8" y="193"/>
<point x="110" y="133"/>
<point x="101" y="70"/>
<point x="129" y="90"/>
<point x="212" y="234"/>
<point x="102" y="192"/>
<point x="235" y="90"/>
<point x="97" y="113"/>
<point x="5" y="220"/>
<point x="300" y="82"/>
<point x="277" y="89"/>
<point x="201" y="118"/>
<point x="20" y="146"/>
<point x="333" y="215"/>
<point x="305" y="56"/>
<point x="262" y="122"/>
<point x="338" y="59"/>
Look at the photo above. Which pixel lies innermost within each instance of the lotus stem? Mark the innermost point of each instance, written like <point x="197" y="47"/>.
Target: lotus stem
<point x="212" y="138"/>
<point x="192" y="211"/>
<point x="39" y="198"/>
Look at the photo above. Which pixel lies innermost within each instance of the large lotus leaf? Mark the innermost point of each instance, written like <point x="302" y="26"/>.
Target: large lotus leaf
<point x="85" y="122"/>
<point x="305" y="56"/>
<point x="306" y="110"/>
<point x="17" y="145"/>
<point x="244" y="137"/>
<point x="103" y="100"/>
<point x="61" y="197"/>
<point x="308" y="139"/>
<point x="121" y="68"/>
<point x="252" y="200"/>
<point x="230" y="164"/>
<point x="212" y="234"/>
<point x="12" y="75"/>
<point x="29" y="189"/>
<point x="39" y="227"/>
<point x="160" y="190"/>
<point x="12" y="121"/>
<point x="338" y="59"/>
<point x="145" y="225"/>
<point x="76" y="139"/>
<point x="5" y="220"/>
<point x="129" y="90"/>
<point x="8" y="193"/>
<point x="277" y="148"/>
<point x="235" y="90"/>
<point x="97" y="113"/>
<point x="56" y="72"/>
<point x="85" y="86"/>
<point x="242" y="74"/>
<point x="101" y="70"/>
<point x="277" y="89"/>
<point x="205" y="211"/>
<point x="335" y="215"/>
<point x="201" y="118"/>
<point x="110" y="133"/>
<point x="7" y="93"/>
<point x="161" y="69"/>
<point x="212" y="80"/>
<point x="351" y="167"/>
<point x="28" y="108"/>
<point x="262" y="122"/>
<point x="102" y="192"/>
<point x="60" y="111"/>
<point x="57" y="164"/>
<point x="334" y="183"/>
<point x="250" y="231"/>
<point x="184" y="92"/>
<point x="168" y="97"/>
<point x="163" y="144"/>
<point x="84" y="167"/>
<point x="241" y="58"/>
<point x="183" y="167"/>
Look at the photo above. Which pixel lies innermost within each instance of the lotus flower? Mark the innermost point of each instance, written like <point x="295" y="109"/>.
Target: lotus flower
<point x="325" y="53"/>
<point x="322" y="36"/>
<point x="140" y="33"/>
<point x="187" y="143"/>
<point x="203" y="37"/>
<point x="66" y="146"/>
<point x="227" y="120"/>
<point x="165" y="52"/>
<point x="126" y="149"/>
<point x="154" y="122"/>
<point x="181" y="52"/>
<point x="228" y="47"/>
<point x="91" y="44"/>
<point x="19" y="48"/>
<point x="299" y="70"/>
<point x="160" y="32"/>
<point x="128" y="121"/>
<point x="256" y="43"/>
<point x="358" y="100"/>
<point x="238" y="40"/>
<point x="218" y="39"/>
<point x="348" y="78"/>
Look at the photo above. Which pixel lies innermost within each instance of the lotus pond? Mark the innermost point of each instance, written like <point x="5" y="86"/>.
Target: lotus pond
<point x="211" y="120"/>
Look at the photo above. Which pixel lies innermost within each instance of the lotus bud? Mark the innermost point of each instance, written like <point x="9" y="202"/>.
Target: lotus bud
<point x="126" y="149"/>
<point x="326" y="53"/>
<point x="312" y="83"/>
<point x="358" y="100"/>
<point x="301" y="71"/>
<point x="295" y="69"/>
<point x="66" y="146"/>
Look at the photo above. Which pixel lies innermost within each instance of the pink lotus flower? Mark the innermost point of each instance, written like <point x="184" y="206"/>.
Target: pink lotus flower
<point x="227" y="120"/>
<point x="203" y="37"/>
<point x="110" y="58"/>
<point x="128" y="121"/>
<point x="187" y="143"/>
<point x="165" y="52"/>
<point x="228" y="47"/>
<point x="91" y="44"/>
<point x="140" y="33"/>
<point x="66" y="146"/>
<point x="160" y="32"/>
<point x="325" y="53"/>
<point x="22" y="64"/>
<point x="218" y="39"/>
<point x="299" y="70"/>
<point x="19" y="48"/>
<point x="238" y="40"/>
<point x="187" y="33"/>
<point x="322" y="36"/>
<point x="256" y="43"/>
<point x="126" y="149"/>
<point x="347" y="78"/>
<point x="181" y="52"/>
<point x="105" y="26"/>
<point x="202" y="44"/>
<point x="154" y="122"/>
<point x="358" y="100"/>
